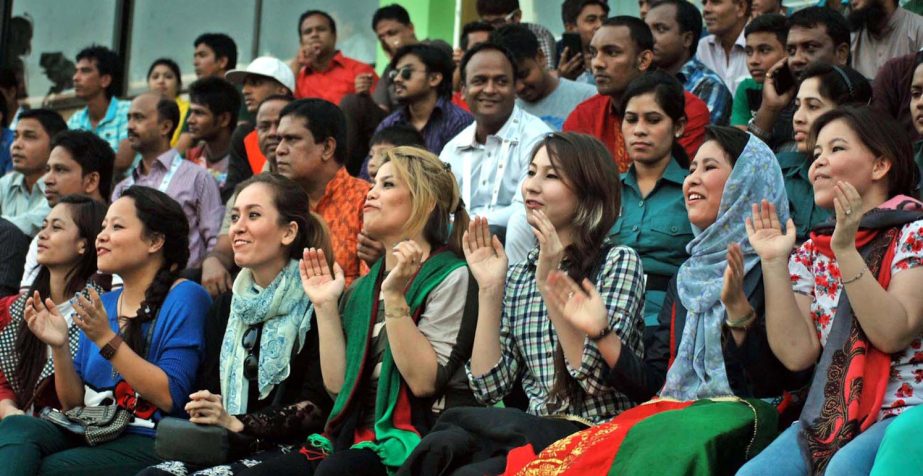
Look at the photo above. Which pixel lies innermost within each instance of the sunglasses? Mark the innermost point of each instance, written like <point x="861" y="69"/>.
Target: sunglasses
<point x="251" y="363"/>
<point x="405" y="73"/>
<point x="500" y="21"/>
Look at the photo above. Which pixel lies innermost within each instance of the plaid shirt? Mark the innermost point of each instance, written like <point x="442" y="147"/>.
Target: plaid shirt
<point x="528" y="340"/>
<point x="708" y="86"/>
<point x="112" y="128"/>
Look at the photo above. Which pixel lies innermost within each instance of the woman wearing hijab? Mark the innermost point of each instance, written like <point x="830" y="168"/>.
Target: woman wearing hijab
<point x="712" y="335"/>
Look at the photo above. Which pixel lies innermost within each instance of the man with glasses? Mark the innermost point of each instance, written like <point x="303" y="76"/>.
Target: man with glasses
<point x="498" y="13"/>
<point x="421" y="75"/>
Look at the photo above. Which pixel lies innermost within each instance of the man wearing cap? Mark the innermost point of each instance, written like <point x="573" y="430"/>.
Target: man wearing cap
<point x="264" y="77"/>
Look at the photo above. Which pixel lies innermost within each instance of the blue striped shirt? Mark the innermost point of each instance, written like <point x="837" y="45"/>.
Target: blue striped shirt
<point x="706" y="85"/>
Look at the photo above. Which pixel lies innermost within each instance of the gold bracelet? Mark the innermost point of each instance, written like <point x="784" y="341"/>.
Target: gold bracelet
<point x="742" y="323"/>
<point x="399" y="313"/>
<point x="856" y="278"/>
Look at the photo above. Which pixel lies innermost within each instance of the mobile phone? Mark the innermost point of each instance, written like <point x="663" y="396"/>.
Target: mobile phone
<point x="572" y="42"/>
<point x="783" y="79"/>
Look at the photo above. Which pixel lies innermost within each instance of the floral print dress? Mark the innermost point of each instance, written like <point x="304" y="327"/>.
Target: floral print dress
<point x="815" y="275"/>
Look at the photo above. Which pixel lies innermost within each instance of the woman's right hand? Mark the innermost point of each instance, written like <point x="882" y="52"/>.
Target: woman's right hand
<point x="319" y="284"/>
<point x="45" y="321"/>
<point x="765" y="233"/>
<point x="484" y="254"/>
<point x="581" y="305"/>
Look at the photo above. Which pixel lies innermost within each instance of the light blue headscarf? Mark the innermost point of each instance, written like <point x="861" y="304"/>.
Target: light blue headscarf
<point x="285" y="312"/>
<point x="698" y="370"/>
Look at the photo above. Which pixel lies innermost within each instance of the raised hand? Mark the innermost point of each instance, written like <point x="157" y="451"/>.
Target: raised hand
<point x="364" y="83"/>
<point x="410" y="257"/>
<point x="368" y="249"/>
<point x="571" y="64"/>
<point x="484" y="253"/>
<point x="776" y="99"/>
<point x="582" y="305"/>
<point x="765" y="233"/>
<point x="45" y="321"/>
<point x="551" y="251"/>
<point x="319" y="284"/>
<point x="732" y="292"/>
<point x="92" y="319"/>
<point x="848" y="208"/>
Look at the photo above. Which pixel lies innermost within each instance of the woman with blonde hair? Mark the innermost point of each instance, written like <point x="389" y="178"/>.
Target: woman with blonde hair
<point x="392" y="346"/>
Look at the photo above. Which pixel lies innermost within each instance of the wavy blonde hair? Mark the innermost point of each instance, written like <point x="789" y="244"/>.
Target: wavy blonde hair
<point x="436" y="206"/>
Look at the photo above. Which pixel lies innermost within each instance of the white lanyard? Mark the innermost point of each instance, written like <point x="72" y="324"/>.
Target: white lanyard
<point x="167" y="178"/>
<point x="502" y="159"/>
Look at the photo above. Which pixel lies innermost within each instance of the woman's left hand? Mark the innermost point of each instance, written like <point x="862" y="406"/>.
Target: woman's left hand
<point x="206" y="408"/>
<point x="732" y="292"/>
<point x="409" y="256"/>
<point x="92" y="319"/>
<point x="550" y="252"/>
<point x="848" y="208"/>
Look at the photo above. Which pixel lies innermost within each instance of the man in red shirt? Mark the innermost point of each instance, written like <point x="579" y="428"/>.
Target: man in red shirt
<point x="622" y="50"/>
<point x="328" y="75"/>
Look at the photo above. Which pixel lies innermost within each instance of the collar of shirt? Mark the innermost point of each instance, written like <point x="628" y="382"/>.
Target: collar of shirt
<point x="793" y="164"/>
<point x="337" y="60"/>
<point x="511" y="131"/>
<point x="165" y="160"/>
<point x="740" y="42"/>
<point x="333" y="186"/>
<point x="673" y="173"/>
<point x="111" y="112"/>
<point x="439" y="109"/>
<point x="896" y="18"/>
<point x="18" y="184"/>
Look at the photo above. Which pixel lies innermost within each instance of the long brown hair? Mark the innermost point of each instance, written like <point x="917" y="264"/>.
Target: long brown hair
<point x="589" y="171"/>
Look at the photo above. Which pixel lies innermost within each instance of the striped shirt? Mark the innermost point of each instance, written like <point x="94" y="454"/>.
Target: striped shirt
<point x="196" y="192"/>
<point x="528" y="340"/>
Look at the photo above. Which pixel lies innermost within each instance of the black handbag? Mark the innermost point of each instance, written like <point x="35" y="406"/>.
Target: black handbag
<point x="199" y="445"/>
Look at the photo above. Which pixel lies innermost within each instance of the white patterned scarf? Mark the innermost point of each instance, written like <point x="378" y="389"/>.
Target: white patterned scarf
<point x="285" y="313"/>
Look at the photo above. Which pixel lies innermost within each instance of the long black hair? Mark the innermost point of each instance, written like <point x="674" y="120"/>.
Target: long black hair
<point x="161" y="216"/>
<point x="87" y="214"/>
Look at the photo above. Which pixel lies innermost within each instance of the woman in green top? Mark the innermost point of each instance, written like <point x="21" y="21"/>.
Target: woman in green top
<point x="823" y="87"/>
<point x="653" y="219"/>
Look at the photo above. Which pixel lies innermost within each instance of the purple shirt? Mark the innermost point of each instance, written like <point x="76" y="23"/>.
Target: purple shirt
<point x="195" y="190"/>
<point x="445" y="122"/>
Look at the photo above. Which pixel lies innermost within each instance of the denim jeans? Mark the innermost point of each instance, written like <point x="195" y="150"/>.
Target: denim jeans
<point x="783" y="456"/>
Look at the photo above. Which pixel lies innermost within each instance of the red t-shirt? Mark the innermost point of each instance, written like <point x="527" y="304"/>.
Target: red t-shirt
<point x="596" y="117"/>
<point x="336" y="82"/>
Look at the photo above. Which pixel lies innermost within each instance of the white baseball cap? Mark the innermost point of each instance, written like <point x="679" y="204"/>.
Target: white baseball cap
<point x="265" y="66"/>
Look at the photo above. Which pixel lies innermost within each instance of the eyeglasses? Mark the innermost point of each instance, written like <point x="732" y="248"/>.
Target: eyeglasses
<point x="405" y="73"/>
<point x="251" y="363"/>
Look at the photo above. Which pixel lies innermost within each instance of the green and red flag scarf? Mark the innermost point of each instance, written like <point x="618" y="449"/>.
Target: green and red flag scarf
<point x="663" y="437"/>
<point x="394" y="435"/>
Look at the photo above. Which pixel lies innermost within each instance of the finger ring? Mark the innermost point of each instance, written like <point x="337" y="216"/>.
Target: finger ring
<point x="848" y="211"/>
<point x="570" y="295"/>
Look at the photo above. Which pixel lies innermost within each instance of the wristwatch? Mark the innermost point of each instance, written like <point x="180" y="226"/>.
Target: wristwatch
<point x="756" y="130"/>
<point x="603" y="333"/>
<point x="108" y="350"/>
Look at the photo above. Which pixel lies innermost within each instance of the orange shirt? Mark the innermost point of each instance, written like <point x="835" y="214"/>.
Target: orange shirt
<point x="338" y="80"/>
<point x="341" y="207"/>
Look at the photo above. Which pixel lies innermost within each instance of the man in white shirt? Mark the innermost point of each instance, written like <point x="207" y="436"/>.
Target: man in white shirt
<point x="724" y="51"/>
<point x="491" y="156"/>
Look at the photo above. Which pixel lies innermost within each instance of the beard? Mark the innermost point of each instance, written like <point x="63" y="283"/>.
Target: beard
<point x="872" y="17"/>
